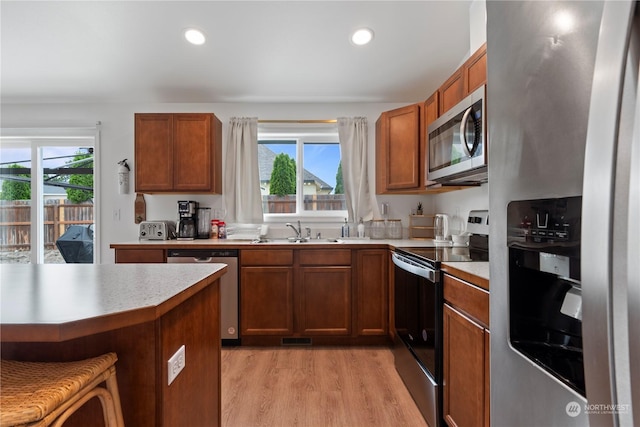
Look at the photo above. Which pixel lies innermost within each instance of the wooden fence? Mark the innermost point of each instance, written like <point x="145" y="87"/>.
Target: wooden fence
<point x="312" y="202"/>
<point x="15" y="221"/>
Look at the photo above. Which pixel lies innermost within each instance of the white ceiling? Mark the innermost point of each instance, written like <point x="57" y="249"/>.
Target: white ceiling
<point x="256" y="51"/>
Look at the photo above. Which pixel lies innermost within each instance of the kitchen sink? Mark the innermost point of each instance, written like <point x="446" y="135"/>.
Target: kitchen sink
<point x="296" y="240"/>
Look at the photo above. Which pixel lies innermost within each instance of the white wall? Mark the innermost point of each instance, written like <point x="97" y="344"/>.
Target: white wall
<point x="117" y="143"/>
<point x="477" y="24"/>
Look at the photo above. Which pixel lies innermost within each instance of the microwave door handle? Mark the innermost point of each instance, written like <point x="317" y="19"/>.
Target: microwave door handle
<point x="463" y="132"/>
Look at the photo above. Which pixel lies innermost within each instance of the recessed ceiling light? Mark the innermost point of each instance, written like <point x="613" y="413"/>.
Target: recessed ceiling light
<point x="362" y="36"/>
<point x="194" y="36"/>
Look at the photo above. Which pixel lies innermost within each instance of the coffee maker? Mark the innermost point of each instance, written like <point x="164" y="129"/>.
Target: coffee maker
<point x="187" y="220"/>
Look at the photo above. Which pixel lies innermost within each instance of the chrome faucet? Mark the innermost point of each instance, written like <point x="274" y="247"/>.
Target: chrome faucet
<point x="297" y="230"/>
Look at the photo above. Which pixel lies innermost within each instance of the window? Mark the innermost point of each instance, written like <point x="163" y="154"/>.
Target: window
<point x="300" y="172"/>
<point x="53" y="198"/>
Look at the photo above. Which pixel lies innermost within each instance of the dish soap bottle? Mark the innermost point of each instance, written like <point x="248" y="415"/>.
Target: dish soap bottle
<point x="345" y="229"/>
<point x="360" y="228"/>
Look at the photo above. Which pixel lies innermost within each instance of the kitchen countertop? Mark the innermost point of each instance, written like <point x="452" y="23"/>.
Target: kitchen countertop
<point x="226" y="243"/>
<point x="55" y="302"/>
<point x="476" y="272"/>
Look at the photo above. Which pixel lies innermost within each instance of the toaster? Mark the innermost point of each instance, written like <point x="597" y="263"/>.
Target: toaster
<point x="157" y="230"/>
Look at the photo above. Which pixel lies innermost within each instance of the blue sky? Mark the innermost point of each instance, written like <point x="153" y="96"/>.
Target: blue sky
<point x="14" y="155"/>
<point x="320" y="159"/>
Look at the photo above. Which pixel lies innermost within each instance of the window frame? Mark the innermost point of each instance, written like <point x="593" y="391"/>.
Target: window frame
<point x="37" y="139"/>
<point x="302" y="136"/>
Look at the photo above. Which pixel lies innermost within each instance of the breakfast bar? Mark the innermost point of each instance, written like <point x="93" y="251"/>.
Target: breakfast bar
<point x="144" y="313"/>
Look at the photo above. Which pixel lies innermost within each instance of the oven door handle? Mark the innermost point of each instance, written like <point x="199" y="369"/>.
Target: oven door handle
<point x="407" y="265"/>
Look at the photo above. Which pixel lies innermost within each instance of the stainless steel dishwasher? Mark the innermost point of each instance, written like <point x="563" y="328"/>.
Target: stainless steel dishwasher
<point x="228" y="285"/>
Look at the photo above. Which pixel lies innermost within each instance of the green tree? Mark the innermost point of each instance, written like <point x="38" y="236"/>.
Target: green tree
<point x="339" y="182"/>
<point x="283" y="175"/>
<point x="85" y="180"/>
<point x="16" y="190"/>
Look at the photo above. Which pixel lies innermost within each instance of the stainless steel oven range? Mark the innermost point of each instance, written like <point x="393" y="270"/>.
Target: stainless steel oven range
<point x="418" y="331"/>
<point x="418" y="306"/>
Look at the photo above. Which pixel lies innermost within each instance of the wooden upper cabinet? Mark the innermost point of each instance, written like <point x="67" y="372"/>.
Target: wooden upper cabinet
<point x="431" y="109"/>
<point x="451" y="91"/>
<point x="398" y="149"/>
<point x="475" y="70"/>
<point x="178" y="153"/>
<point x="470" y="76"/>
<point x="430" y="113"/>
<point x="153" y="152"/>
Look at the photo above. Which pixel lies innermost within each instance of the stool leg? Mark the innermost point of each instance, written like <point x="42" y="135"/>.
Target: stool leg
<point x="112" y="386"/>
<point x="105" y="400"/>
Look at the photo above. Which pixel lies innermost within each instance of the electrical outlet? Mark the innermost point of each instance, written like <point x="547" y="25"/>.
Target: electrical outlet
<point x="175" y="364"/>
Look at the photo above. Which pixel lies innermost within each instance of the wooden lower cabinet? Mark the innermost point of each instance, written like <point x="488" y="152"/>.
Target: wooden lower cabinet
<point x="334" y="296"/>
<point x="466" y="354"/>
<point x="140" y="256"/>
<point x="464" y="370"/>
<point x="324" y="300"/>
<point x="266" y="300"/>
<point x="372" y="292"/>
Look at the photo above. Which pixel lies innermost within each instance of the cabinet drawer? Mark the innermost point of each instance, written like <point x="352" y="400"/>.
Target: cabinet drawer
<point x="125" y="256"/>
<point x="468" y="298"/>
<point x="266" y="257"/>
<point x="325" y="257"/>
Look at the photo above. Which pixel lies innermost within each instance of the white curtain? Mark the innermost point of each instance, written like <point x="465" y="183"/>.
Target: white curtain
<point x="352" y="132"/>
<point x="242" y="177"/>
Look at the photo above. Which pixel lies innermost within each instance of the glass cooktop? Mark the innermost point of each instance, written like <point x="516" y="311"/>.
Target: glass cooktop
<point x="478" y="250"/>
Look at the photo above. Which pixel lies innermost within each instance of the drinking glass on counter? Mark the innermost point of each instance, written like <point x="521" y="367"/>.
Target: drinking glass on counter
<point x="378" y="229"/>
<point x="394" y="229"/>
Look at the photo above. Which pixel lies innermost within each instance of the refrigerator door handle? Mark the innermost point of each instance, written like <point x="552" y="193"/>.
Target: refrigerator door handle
<point x="633" y="267"/>
<point x="597" y="263"/>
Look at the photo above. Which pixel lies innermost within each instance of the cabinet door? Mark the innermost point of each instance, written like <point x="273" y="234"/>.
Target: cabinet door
<point x="192" y="152"/>
<point x="464" y="365"/>
<point x="430" y="110"/>
<point x="452" y="91"/>
<point x="487" y="377"/>
<point x="266" y="295"/>
<point x="403" y="148"/>
<point x="153" y="152"/>
<point x="372" y="292"/>
<point x="430" y="113"/>
<point x="324" y="295"/>
<point x="475" y="70"/>
<point x="139" y="256"/>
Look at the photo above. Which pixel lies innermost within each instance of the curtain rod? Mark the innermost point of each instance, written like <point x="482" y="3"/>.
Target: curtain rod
<point x="298" y="121"/>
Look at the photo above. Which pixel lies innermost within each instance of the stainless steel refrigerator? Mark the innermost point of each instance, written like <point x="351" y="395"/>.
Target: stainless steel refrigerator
<point x="564" y="196"/>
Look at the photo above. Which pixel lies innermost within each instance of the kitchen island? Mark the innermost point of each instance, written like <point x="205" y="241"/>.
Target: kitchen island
<point x="144" y="313"/>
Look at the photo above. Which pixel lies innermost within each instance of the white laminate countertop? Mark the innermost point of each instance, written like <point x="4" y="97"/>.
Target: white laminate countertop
<point x="216" y="243"/>
<point x="65" y="294"/>
<point x="475" y="268"/>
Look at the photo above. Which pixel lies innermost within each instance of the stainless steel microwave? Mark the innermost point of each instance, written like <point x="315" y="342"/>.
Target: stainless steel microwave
<point x="457" y="151"/>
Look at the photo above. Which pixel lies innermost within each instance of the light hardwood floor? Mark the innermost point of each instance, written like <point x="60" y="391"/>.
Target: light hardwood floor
<point x="314" y="386"/>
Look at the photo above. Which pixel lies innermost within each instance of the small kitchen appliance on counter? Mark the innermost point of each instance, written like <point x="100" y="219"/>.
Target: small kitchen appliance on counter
<point x="187" y="220"/>
<point x="157" y="230"/>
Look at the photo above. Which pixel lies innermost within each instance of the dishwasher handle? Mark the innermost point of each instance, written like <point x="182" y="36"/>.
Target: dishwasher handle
<point x="201" y="255"/>
<point x="202" y="259"/>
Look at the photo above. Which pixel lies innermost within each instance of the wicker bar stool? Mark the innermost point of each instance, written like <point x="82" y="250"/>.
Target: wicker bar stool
<point x="47" y="393"/>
